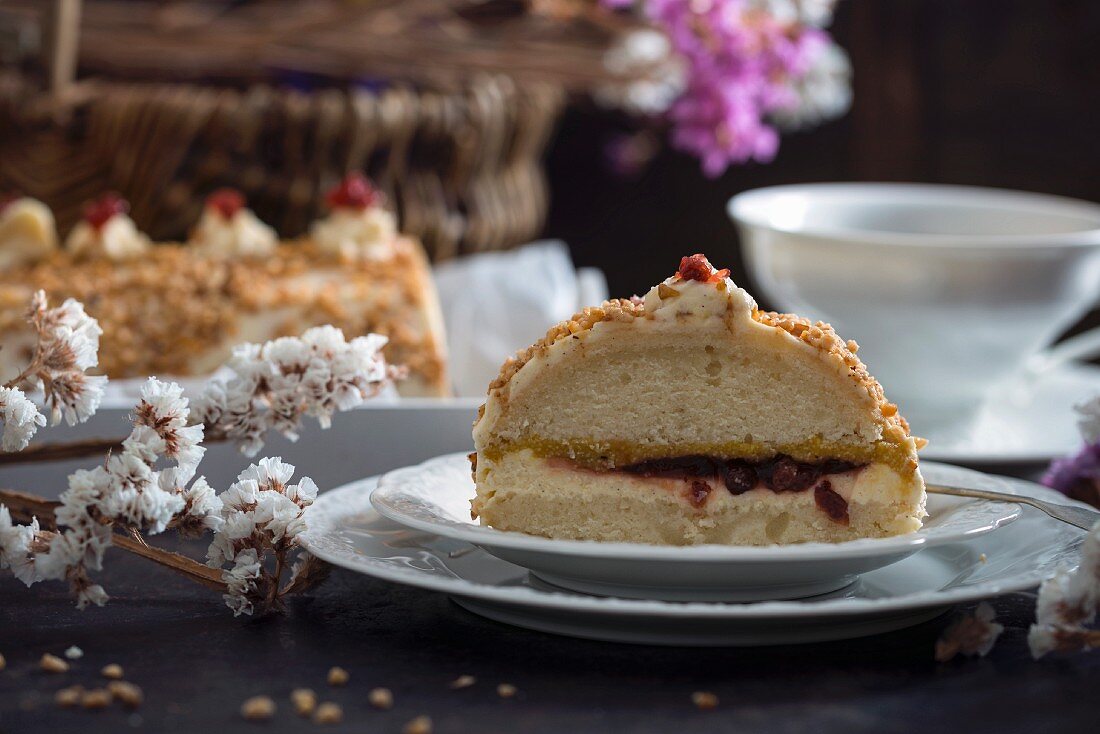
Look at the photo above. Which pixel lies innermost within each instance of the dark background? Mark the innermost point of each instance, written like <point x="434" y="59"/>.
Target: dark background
<point x="984" y="92"/>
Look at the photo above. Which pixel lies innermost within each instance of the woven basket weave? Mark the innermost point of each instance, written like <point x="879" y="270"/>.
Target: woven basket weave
<point x="462" y="168"/>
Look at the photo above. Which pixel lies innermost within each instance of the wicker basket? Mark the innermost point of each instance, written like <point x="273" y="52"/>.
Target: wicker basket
<point x="463" y="168"/>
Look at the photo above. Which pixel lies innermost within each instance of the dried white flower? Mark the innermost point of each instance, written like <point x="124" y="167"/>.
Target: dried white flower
<point x="68" y="346"/>
<point x="822" y="93"/>
<point x="15" y="547"/>
<point x="260" y="511"/>
<point x="164" y="410"/>
<point x="241" y="582"/>
<point x="274" y="385"/>
<point x="1088" y="419"/>
<point x="972" y="634"/>
<point x="817" y="13"/>
<point x="1068" y="602"/>
<point x="21" y="418"/>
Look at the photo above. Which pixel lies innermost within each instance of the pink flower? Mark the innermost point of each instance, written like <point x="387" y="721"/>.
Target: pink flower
<point x="747" y="62"/>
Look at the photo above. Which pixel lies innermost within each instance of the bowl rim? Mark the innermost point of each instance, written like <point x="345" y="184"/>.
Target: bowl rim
<point x="738" y="209"/>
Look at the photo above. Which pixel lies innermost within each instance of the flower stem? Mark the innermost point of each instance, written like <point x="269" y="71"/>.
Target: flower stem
<point x="75" y="449"/>
<point x="189" y="567"/>
<point x="280" y="564"/>
<point x="24" y="506"/>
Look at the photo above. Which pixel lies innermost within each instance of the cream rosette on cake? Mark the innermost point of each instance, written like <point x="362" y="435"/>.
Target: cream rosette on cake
<point x="27" y="232"/>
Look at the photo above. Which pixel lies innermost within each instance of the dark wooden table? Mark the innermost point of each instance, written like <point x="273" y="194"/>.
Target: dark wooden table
<point x="197" y="664"/>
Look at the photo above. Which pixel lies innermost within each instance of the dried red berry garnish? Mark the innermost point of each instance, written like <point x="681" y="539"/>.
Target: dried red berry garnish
<point x="97" y="213"/>
<point x="831" y="503"/>
<point x="355" y="192"/>
<point x="226" y="202"/>
<point x="698" y="493"/>
<point x="697" y="267"/>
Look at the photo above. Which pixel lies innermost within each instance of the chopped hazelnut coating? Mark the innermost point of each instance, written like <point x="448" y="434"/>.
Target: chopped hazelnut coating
<point x="337" y="676"/>
<point x="463" y="681"/>
<point x="97" y="698"/>
<point x="419" y="725"/>
<point x="506" y="690"/>
<point x="258" y="708"/>
<point x="704" y="700"/>
<point x="380" y="698"/>
<point x="113" y="671"/>
<point x="304" y="701"/>
<point x="68" y="697"/>
<point x="126" y="693"/>
<point x="328" y="713"/>
<point x="53" y="664"/>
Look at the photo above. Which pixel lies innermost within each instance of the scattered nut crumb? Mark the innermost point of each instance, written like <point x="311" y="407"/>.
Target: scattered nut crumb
<point x="74" y="653"/>
<point x="304" y="701"/>
<point x="125" y="693"/>
<point x="381" y="698"/>
<point x="3" y="662"/>
<point x="328" y="713"/>
<point x="114" y="670"/>
<point x="337" y="676"/>
<point x="97" y="698"/>
<point x="983" y="558"/>
<point x="506" y="690"/>
<point x="419" y="725"/>
<point x="704" y="700"/>
<point x="463" y="681"/>
<point x="258" y="708"/>
<point x="68" y="697"/>
<point x="53" y="664"/>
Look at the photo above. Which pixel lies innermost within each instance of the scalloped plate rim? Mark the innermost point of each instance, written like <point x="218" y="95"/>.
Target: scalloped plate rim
<point x="349" y="500"/>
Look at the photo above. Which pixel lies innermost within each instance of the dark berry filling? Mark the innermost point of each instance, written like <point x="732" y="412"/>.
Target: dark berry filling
<point x="779" y="474"/>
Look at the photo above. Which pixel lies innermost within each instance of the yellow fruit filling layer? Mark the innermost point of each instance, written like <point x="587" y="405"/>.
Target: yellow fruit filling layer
<point x="602" y="455"/>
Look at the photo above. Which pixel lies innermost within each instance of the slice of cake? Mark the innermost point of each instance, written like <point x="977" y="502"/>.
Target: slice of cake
<point x="178" y="309"/>
<point x="688" y="417"/>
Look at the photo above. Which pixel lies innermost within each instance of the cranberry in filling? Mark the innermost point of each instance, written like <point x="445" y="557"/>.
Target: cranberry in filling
<point x="831" y="503"/>
<point x="699" y="492"/>
<point x="788" y="475"/>
<point x="739" y="476"/>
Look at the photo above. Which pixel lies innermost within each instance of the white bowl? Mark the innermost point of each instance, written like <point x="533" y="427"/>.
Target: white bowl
<point x="948" y="289"/>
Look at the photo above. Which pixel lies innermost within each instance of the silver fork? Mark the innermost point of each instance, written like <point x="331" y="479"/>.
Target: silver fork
<point x="1076" y="516"/>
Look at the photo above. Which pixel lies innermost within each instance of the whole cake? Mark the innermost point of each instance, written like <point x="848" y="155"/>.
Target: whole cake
<point x="177" y="309"/>
<point x="689" y="417"/>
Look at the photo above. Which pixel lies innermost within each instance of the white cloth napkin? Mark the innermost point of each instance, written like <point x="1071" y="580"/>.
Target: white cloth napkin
<point x="495" y="303"/>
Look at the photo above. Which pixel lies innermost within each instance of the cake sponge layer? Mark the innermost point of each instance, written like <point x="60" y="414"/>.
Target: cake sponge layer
<point x="554" y="499"/>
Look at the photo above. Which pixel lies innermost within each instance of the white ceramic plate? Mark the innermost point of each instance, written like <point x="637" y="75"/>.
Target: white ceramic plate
<point x="435" y="497"/>
<point x="346" y="531"/>
<point x="1030" y="420"/>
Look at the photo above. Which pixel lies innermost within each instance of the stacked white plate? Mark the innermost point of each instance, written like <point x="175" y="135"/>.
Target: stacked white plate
<point x="413" y="527"/>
